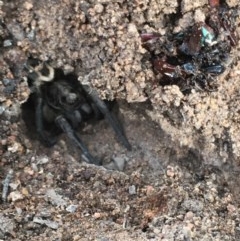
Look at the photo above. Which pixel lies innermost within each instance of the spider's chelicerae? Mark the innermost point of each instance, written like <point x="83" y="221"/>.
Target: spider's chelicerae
<point x="62" y="103"/>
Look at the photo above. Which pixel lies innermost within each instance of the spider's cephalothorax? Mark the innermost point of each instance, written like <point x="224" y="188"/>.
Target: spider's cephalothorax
<point x="60" y="101"/>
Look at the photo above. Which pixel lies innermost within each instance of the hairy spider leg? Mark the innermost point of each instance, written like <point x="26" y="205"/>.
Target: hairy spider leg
<point x="38" y="79"/>
<point x="109" y="116"/>
<point x="66" y="128"/>
<point x="48" y="141"/>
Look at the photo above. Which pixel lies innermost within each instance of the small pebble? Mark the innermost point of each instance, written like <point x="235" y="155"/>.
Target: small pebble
<point x="71" y="208"/>
<point x="7" y="43"/>
<point x="2" y="109"/>
<point x="132" y="190"/>
<point x="48" y="223"/>
<point x="120" y="163"/>
<point x="98" y="8"/>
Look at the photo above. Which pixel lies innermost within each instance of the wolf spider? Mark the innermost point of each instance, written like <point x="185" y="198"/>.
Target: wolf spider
<point x="61" y="102"/>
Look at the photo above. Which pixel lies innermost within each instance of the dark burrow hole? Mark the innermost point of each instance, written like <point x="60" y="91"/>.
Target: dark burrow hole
<point x="29" y="117"/>
<point x="62" y="96"/>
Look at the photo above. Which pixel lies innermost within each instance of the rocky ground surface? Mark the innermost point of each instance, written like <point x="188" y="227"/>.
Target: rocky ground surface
<point x="181" y="179"/>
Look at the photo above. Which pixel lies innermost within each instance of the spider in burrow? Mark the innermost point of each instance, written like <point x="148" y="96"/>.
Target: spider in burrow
<point x="61" y="103"/>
